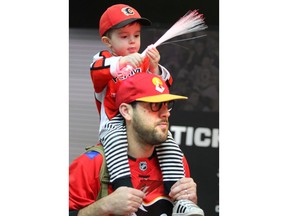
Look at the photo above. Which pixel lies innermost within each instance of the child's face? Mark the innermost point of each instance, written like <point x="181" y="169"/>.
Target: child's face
<point x="126" y="40"/>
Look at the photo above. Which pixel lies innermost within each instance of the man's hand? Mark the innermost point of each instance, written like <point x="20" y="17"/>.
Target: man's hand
<point x="184" y="188"/>
<point x="124" y="201"/>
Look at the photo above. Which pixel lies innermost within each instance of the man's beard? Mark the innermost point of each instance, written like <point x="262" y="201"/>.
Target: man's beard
<point x="149" y="135"/>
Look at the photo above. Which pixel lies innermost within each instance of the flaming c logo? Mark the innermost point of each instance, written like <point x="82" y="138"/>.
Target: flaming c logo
<point x="128" y="11"/>
<point x="158" y="84"/>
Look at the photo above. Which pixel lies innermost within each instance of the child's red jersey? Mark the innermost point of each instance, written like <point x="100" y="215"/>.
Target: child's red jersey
<point x="106" y="84"/>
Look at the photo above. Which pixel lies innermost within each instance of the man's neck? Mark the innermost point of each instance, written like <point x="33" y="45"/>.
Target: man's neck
<point x="137" y="150"/>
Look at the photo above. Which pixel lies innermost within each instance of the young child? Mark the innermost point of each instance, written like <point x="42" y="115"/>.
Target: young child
<point x="120" y="30"/>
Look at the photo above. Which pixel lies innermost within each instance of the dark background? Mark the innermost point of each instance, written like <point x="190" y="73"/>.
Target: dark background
<point x="86" y="13"/>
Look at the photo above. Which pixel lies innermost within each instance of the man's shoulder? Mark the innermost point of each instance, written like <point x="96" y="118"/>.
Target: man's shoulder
<point x="93" y="151"/>
<point x="92" y="156"/>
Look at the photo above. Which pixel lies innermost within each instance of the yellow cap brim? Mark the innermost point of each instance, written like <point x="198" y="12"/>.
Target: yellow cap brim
<point x="161" y="98"/>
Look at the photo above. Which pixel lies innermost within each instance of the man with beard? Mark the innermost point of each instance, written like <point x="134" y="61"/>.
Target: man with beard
<point x="145" y="103"/>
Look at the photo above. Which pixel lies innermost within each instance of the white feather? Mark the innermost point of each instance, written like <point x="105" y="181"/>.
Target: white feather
<point x="192" y="21"/>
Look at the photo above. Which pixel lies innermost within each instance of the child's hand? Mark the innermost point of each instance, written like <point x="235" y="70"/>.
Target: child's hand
<point x="124" y="72"/>
<point x="154" y="57"/>
<point x="134" y="60"/>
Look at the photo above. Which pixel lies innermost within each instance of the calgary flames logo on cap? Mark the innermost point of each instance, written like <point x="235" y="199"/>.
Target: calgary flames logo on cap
<point x="128" y="11"/>
<point x="158" y="84"/>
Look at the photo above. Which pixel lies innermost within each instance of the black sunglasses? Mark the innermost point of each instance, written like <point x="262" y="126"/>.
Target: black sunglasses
<point x="155" y="107"/>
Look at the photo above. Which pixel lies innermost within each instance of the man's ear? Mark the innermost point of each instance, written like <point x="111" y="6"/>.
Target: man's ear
<point x="106" y="41"/>
<point x="126" y="111"/>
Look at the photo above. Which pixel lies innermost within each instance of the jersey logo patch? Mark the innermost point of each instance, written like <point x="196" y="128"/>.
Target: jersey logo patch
<point x="143" y="165"/>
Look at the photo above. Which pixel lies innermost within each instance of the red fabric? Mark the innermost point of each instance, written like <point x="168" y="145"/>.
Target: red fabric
<point x="84" y="183"/>
<point x="107" y="86"/>
<point x="145" y="87"/>
<point x="121" y="15"/>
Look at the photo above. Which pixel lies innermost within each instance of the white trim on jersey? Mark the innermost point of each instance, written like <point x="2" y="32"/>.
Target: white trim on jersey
<point x="113" y="61"/>
<point x="165" y="73"/>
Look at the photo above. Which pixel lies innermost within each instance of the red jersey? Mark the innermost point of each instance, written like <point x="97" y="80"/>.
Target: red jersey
<point x="84" y="183"/>
<point x="106" y="84"/>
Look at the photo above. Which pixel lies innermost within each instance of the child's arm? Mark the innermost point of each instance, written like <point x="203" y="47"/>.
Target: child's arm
<point x="127" y="63"/>
<point x="154" y="58"/>
<point x="102" y="70"/>
<point x="134" y="60"/>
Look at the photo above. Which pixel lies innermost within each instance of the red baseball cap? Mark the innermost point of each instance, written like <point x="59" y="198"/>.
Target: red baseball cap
<point x="120" y="15"/>
<point x="144" y="87"/>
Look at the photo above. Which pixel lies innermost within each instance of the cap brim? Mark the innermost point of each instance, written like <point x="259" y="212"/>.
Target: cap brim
<point x="161" y="98"/>
<point x="143" y="21"/>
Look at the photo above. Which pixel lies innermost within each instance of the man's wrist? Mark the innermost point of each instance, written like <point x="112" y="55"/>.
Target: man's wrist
<point x="98" y="208"/>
